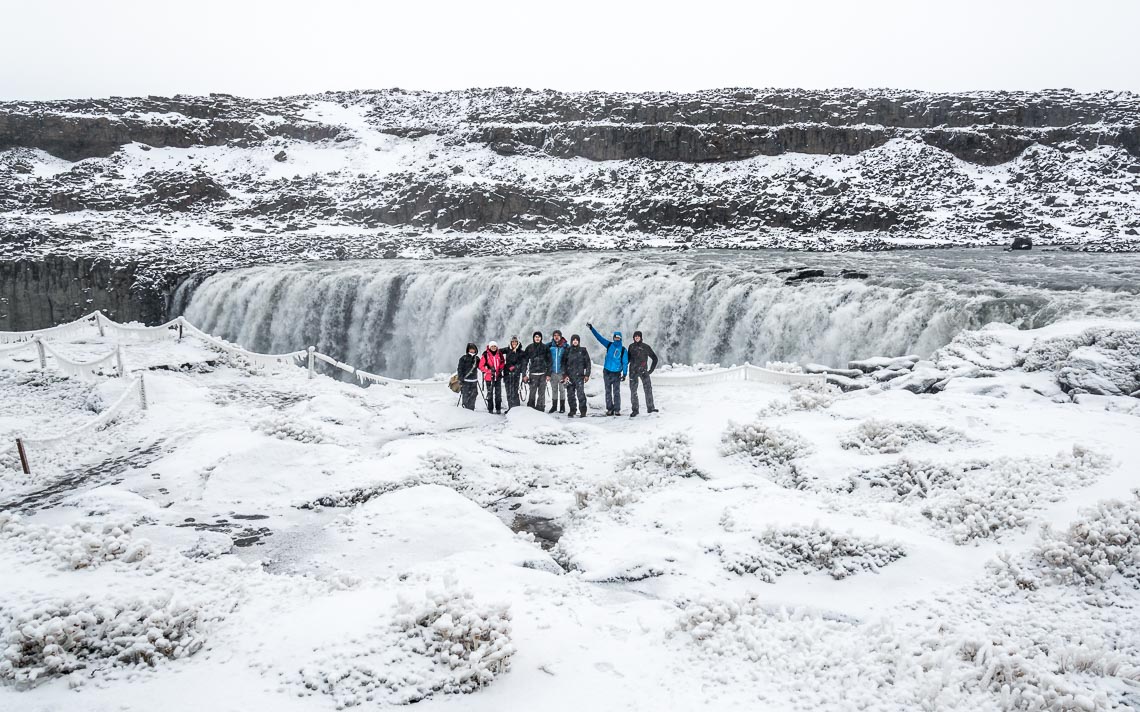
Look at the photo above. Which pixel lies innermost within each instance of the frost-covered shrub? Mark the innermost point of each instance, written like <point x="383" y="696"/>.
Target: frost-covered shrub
<point x="57" y="637"/>
<point x="441" y="643"/>
<point x="811" y="395"/>
<point x="639" y="471"/>
<point x="810" y="549"/>
<point x="283" y="427"/>
<point x="672" y="453"/>
<point x="1001" y="495"/>
<point x="440" y="467"/>
<point x="908" y="478"/>
<point x="886" y="436"/>
<point x="554" y="436"/>
<point x="1105" y="541"/>
<point x="78" y="546"/>
<point x="766" y="445"/>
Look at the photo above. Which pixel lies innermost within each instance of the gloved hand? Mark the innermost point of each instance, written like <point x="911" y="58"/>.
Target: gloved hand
<point x="589" y="325"/>
<point x="623" y="379"/>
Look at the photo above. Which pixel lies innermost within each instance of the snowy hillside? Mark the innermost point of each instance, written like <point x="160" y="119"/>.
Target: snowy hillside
<point x="257" y="539"/>
<point x="192" y="181"/>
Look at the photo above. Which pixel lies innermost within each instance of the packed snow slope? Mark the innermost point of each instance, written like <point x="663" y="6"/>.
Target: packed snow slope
<point x="202" y="181"/>
<point x="260" y="540"/>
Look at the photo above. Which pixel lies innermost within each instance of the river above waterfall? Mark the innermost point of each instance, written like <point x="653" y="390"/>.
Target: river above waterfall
<point x="406" y="318"/>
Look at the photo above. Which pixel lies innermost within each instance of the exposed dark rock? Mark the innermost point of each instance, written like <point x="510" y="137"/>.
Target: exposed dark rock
<point x="804" y="274"/>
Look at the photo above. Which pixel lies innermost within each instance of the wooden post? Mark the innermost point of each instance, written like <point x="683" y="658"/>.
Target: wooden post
<point x="23" y="456"/>
<point x="180" y="330"/>
<point x="99" y="322"/>
<point x="142" y="392"/>
<point x="40" y="348"/>
<point x="312" y="360"/>
<point x="119" y="362"/>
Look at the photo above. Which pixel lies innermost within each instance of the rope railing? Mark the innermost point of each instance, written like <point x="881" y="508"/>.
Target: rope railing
<point x="15" y="337"/>
<point x="84" y="369"/>
<point x="310" y="356"/>
<point x="135" y="392"/>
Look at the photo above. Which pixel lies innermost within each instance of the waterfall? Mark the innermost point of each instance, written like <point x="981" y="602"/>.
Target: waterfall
<point x="405" y="318"/>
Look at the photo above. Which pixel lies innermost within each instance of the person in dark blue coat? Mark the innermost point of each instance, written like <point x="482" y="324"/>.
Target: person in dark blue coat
<point x="614" y="369"/>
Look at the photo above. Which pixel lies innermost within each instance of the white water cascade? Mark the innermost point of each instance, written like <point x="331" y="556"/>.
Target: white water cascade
<point x="406" y="318"/>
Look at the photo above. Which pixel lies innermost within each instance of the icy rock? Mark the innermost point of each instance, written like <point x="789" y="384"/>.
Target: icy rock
<point x="845" y="372"/>
<point x="876" y="363"/>
<point x="921" y="380"/>
<point x="846" y="384"/>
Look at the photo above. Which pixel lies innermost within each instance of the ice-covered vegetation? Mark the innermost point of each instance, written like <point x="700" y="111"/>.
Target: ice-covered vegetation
<point x="886" y="436"/>
<point x="775" y="552"/>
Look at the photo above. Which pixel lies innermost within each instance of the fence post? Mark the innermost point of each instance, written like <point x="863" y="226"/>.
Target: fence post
<point x="99" y="322"/>
<point x="312" y="360"/>
<point x="142" y="392"/>
<point x="119" y="361"/>
<point x="23" y="456"/>
<point x="40" y="348"/>
<point x="180" y="330"/>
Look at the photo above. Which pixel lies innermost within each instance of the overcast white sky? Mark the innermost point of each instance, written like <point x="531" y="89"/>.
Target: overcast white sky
<point x="84" y="48"/>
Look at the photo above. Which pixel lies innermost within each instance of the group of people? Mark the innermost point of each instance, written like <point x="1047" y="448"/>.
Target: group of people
<point x="564" y="366"/>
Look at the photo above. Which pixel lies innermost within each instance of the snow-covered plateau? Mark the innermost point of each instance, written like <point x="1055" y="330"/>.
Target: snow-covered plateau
<point x="189" y="183"/>
<point x="956" y="530"/>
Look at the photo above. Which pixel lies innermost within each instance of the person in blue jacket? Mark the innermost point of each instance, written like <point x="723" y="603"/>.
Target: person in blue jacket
<point x="614" y="370"/>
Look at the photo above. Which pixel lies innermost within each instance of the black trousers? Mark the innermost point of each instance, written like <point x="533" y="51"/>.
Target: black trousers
<point x="576" y="394"/>
<point x="494" y="394"/>
<point x="612" y="382"/>
<point x="642" y="376"/>
<point x="468" y="393"/>
<point x="537" y="398"/>
<point x="513" y="381"/>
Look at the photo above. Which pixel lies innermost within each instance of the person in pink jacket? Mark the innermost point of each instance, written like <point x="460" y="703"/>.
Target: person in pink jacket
<point x="492" y="363"/>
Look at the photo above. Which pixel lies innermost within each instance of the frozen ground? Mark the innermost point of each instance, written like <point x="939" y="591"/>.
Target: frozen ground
<point x="258" y="540"/>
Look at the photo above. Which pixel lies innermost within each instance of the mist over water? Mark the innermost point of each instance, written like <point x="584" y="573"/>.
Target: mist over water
<point x="406" y="318"/>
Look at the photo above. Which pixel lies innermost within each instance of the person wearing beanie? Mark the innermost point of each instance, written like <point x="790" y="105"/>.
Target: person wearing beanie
<point x="640" y="354"/>
<point x="492" y="364"/>
<point x="515" y="358"/>
<point x="576" y="374"/>
<point x="468" y="372"/>
<point x="558" y="347"/>
<point x="613" y="370"/>
<point x="537" y="371"/>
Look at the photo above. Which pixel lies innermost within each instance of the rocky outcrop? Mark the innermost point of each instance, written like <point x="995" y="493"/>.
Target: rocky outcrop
<point x="39" y="293"/>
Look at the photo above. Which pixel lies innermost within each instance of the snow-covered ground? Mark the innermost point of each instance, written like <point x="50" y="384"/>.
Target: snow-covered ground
<point x="260" y="540"/>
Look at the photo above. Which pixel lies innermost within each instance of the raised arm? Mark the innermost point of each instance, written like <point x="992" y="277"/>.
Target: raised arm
<point x="598" y="336"/>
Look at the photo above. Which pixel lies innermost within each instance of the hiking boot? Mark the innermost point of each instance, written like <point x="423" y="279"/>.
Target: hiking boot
<point x="582" y="414"/>
<point x="553" y="406"/>
<point x="609" y="412"/>
<point x="633" y="414"/>
<point x="652" y="410"/>
<point x="571" y="415"/>
<point x="561" y="406"/>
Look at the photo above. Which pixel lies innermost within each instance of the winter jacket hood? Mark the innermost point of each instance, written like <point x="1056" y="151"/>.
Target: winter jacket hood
<point x="617" y="357"/>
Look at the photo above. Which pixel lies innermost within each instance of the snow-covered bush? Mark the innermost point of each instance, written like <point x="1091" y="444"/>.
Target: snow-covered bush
<point x="440" y="467"/>
<point x="1105" y="541"/>
<point x="56" y="637"/>
<point x="784" y="367"/>
<point x="78" y="546"/>
<point x="672" y="453"/>
<point x="554" y="436"/>
<point x="887" y="436"/>
<point x="810" y="549"/>
<point x="908" y="478"/>
<point x="766" y="445"/>
<point x="1001" y="495"/>
<point x="284" y="427"/>
<point x="444" y="642"/>
<point x="811" y="395"/>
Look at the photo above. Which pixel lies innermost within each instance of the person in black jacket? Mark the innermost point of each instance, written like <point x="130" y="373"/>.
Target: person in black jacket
<point x="516" y="364"/>
<point x="640" y="354"/>
<point x="537" y="371"/>
<point x="576" y="374"/>
<point x="468" y="371"/>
